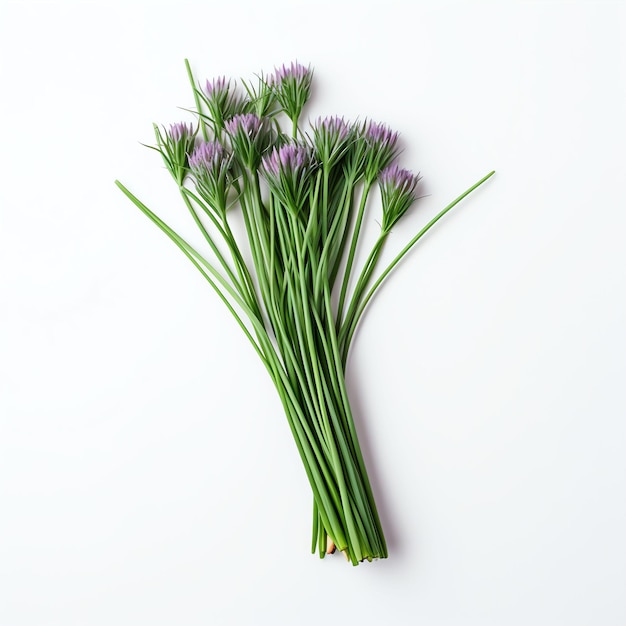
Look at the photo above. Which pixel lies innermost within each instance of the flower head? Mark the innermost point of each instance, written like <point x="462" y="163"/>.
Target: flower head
<point x="295" y="71"/>
<point x="290" y="158"/>
<point x="333" y="126"/>
<point x="222" y="101"/>
<point x="217" y="87"/>
<point x="331" y="136"/>
<point x="210" y="167"/>
<point x="287" y="170"/>
<point x="381" y="149"/>
<point x="397" y="187"/>
<point x="208" y="155"/>
<point x="175" y="145"/>
<point x="247" y="123"/>
<point x="180" y="132"/>
<point x="250" y="137"/>
<point x="380" y="135"/>
<point x="293" y="87"/>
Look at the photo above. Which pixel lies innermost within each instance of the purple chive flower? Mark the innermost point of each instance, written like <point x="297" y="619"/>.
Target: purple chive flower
<point x="334" y="126"/>
<point x="397" y="187"/>
<point x="249" y="137"/>
<point x="292" y="85"/>
<point x="286" y="170"/>
<point x="222" y="101"/>
<point x="181" y="131"/>
<point x="380" y="135"/>
<point x="381" y="148"/>
<point x="288" y="159"/>
<point x="207" y="156"/>
<point x="295" y="71"/>
<point x="175" y="145"/>
<point x="247" y="123"/>
<point x="210" y="166"/>
<point x="398" y="179"/>
<point x="330" y="138"/>
<point x="216" y="87"/>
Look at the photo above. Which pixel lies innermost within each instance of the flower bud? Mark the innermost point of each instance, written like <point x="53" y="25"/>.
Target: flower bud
<point x="288" y="170"/>
<point x="293" y="87"/>
<point x="210" y="168"/>
<point x="250" y="137"/>
<point x="381" y="149"/>
<point x="175" y="145"/>
<point x="397" y="187"/>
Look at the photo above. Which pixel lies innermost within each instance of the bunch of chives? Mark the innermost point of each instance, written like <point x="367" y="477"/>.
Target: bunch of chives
<point x="303" y="197"/>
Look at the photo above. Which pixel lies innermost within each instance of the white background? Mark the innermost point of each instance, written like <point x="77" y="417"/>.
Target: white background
<point x="147" y="474"/>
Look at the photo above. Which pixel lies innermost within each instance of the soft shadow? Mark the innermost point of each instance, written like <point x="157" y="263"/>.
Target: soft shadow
<point x="362" y="420"/>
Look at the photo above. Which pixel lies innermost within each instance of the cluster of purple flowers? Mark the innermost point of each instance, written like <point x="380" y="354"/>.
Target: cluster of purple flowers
<point x="371" y="146"/>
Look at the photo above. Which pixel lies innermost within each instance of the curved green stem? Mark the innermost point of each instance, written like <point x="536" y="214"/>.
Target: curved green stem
<point x="226" y="233"/>
<point x="349" y="331"/>
<point x="198" y="262"/>
<point x="214" y="248"/>
<point x="205" y="135"/>
<point x="353" y="246"/>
